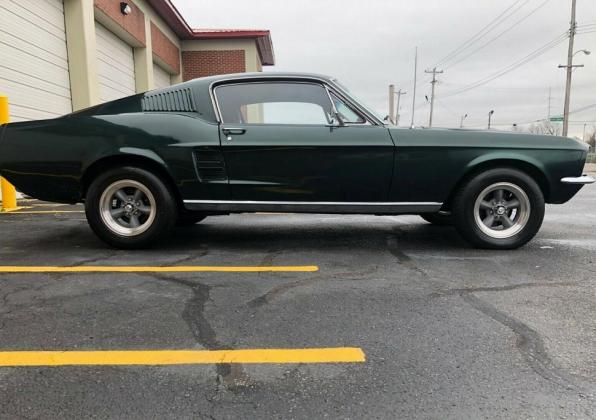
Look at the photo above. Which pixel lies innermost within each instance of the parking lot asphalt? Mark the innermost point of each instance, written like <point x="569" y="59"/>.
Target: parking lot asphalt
<point x="446" y="331"/>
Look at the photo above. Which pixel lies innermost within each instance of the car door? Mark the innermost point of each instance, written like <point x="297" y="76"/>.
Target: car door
<point x="281" y="143"/>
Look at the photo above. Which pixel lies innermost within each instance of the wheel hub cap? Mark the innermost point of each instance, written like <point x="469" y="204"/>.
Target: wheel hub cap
<point x="502" y="210"/>
<point x="127" y="207"/>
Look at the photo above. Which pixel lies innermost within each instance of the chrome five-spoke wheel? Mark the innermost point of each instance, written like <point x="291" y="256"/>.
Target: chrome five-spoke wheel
<point x="127" y="207"/>
<point x="502" y="210"/>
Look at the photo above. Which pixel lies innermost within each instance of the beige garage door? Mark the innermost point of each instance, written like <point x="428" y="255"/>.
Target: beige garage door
<point x="115" y="65"/>
<point x="33" y="59"/>
<point x="161" y="78"/>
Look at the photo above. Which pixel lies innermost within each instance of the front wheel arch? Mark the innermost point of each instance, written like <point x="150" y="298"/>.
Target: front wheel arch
<point x="531" y="170"/>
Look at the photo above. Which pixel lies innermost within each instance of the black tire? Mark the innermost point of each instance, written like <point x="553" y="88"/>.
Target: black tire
<point x="189" y="219"/>
<point x="468" y="218"/>
<point x="162" y="208"/>
<point x="441" y="218"/>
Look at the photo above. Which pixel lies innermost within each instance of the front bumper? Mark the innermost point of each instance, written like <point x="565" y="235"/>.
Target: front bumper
<point x="578" y="180"/>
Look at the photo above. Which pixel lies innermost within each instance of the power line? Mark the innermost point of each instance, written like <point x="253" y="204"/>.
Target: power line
<point x="582" y="108"/>
<point x="490" y="41"/>
<point x="484" y="31"/>
<point x="533" y="55"/>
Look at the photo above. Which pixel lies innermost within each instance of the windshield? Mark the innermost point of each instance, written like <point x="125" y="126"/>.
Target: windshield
<point x="356" y="99"/>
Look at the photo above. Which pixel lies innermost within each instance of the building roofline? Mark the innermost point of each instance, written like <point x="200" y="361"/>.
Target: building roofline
<point x="178" y="24"/>
<point x="261" y="36"/>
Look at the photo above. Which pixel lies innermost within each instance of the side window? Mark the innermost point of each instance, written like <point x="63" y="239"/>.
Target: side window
<point x="274" y="103"/>
<point x="347" y="114"/>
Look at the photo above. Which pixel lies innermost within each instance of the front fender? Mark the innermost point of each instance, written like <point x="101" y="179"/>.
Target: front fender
<point x="504" y="156"/>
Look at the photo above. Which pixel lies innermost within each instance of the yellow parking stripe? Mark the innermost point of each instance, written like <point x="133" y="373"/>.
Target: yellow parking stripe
<point x="44" y="211"/>
<point x="181" y="357"/>
<point x="153" y="269"/>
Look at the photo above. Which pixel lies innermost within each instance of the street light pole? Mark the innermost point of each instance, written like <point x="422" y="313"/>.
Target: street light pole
<point x="490" y="114"/>
<point x="461" y="120"/>
<point x="414" y="91"/>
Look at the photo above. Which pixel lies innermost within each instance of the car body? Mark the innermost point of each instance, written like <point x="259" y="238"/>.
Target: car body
<point x="275" y="142"/>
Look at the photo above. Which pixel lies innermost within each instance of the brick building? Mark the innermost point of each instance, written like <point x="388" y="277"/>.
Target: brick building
<point x="59" y="56"/>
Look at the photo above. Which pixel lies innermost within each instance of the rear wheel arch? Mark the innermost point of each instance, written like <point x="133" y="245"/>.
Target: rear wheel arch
<point x="110" y="162"/>
<point x="526" y="167"/>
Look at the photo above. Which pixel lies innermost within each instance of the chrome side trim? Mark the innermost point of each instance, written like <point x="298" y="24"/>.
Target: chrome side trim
<point x="314" y="207"/>
<point x="326" y="203"/>
<point x="582" y="180"/>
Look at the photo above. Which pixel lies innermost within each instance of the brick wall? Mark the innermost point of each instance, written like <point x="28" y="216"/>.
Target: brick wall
<point x="164" y="48"/>
<point x="208" y="63"/>
<point x="134" y="23"/>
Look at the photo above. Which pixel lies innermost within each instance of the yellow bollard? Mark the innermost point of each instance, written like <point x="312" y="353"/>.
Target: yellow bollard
<point x="9" y="194"/>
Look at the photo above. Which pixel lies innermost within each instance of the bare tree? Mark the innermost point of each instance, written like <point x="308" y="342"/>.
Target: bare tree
<point x="546" y="127"/>
<point x="591" y="140"/>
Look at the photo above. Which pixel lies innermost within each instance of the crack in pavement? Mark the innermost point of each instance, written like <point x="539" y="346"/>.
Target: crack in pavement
<point x="231" y="376"/>
<point x="277" y="291"/>
<point x="529" y="342"/>
<point x="109" y="254"/>
<point x="402" y="258"/>
<point x="181" y="261"/>
<point x="459" y="291"/>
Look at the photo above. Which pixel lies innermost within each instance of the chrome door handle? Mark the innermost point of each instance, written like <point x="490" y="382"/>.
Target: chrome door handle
<point x="229" y="131"/>
<point x="236" y="131"/>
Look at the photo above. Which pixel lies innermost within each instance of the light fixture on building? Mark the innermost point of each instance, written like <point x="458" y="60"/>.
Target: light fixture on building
<point x="125" y="8"/>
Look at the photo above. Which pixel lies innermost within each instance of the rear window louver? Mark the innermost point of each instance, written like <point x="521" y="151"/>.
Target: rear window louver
<point x="180" y="100"/>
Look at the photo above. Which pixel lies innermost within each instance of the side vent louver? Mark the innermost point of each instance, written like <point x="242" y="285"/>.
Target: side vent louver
<point x="180" y="100"/>
<point x="210" y="166"/>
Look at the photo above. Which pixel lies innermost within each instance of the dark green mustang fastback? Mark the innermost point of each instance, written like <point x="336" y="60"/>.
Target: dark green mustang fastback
<point x="282" y="142"/>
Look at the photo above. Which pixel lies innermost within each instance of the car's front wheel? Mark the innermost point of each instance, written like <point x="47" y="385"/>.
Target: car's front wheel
<point x="501" y="208"/>
<point x="129" y="207"/>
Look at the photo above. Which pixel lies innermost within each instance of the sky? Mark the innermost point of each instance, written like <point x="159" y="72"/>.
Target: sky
<point x="370" y="44"/>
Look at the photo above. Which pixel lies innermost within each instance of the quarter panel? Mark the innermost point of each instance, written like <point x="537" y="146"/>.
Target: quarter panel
<point x="47" y="159"/>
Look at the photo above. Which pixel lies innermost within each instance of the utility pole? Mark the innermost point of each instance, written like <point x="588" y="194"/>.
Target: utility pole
<point x="398" y="93"/>
<point x="432" y="94"/>
<point x="391" y="103"/>
<point x="569" y="67"/>
<point x="461" y="120"/>
<point x="414" y="91"/>
<point x="490" y="114"/>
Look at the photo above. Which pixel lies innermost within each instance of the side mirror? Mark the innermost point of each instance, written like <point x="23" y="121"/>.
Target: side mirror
<point x="335" y="120"/>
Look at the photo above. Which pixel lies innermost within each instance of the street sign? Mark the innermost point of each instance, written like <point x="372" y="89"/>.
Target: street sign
<point x="556" y="119"/>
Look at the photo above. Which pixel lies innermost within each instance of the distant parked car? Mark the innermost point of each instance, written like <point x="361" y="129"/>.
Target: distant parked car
<point x="282" y="142"/>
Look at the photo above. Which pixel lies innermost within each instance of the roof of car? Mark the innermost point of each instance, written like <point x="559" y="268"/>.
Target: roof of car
<point x="260" y="75"/>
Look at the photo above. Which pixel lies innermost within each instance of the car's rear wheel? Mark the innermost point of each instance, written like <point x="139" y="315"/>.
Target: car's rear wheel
<point x="129" y="207"/>
<point x="440" y="218"/>
<point x="501" y="208"/>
